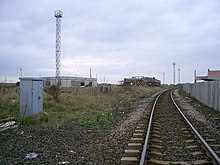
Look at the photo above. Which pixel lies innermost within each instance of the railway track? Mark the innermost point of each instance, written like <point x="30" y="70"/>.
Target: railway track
<point x="167" y="137"/>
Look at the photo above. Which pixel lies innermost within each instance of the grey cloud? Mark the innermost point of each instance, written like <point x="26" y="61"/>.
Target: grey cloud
<point x="149" y="34"/>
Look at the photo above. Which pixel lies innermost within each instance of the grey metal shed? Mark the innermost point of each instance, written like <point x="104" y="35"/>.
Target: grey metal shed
<point x="31" y="96"/>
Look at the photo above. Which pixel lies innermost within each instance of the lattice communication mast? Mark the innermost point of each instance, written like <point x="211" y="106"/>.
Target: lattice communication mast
<point x="58" y="15"/>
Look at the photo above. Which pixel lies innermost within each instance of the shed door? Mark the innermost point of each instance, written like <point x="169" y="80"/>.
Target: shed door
<point x="25" y="98"/>
<point x="37" y="96"/>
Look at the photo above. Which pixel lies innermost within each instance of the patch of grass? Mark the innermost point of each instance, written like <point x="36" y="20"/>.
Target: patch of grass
<point x="9" y="102"/>
<point x="87" y="107"/>
<point x="97" y="121"/>
<point x="183" y="93"/>
<point x="34" y="120"/>
<point x="91" y="108"/>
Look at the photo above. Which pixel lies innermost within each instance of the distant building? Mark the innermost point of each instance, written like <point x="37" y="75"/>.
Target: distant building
<point x="141" y="81"/>
<point x="71" y="81"/>
<point x="213" y="75"/>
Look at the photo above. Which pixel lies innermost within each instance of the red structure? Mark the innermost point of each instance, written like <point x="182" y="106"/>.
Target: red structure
<point x="213" y="75"/>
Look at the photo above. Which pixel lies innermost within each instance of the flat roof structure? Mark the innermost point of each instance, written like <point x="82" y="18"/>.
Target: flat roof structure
<point x="211" y="76"/>
<point x="70" y="81"/>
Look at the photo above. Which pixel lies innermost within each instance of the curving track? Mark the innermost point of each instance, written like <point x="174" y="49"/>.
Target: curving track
<point x="167" y="137"/>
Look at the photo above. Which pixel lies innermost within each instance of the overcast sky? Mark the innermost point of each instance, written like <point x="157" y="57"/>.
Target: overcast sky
<point x="116" y="38"/>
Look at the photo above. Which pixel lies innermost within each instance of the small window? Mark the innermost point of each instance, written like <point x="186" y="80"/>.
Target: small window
<point x="82" y="84"/>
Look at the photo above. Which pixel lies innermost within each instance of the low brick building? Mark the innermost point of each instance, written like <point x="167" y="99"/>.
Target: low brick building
<point x="212" y="75"/>
<point x="141" y="81"/>
<point x="70" y="81"/>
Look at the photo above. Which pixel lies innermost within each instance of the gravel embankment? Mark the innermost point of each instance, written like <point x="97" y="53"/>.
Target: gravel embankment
<point x="206" y="120"/>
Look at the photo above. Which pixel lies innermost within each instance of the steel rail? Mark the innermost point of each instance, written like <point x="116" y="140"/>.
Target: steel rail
<point x="144" y="151"/>
<point x="214" y="156"/>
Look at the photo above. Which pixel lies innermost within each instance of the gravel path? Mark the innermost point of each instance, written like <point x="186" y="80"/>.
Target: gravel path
<point x="70" y="145"/>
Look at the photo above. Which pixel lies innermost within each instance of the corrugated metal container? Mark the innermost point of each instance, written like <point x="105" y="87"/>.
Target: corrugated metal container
<point x="31" y="96"/>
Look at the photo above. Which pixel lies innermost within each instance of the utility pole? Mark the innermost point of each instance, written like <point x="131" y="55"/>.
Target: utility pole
<point x="20" y="72"/>
<point x="163" y="78"/>
<point x="179" y="75"/>
<point x="195" y="76"/>
<point x="174" y="73"/>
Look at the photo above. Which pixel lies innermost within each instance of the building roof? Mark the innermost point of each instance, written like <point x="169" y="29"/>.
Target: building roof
<point x="213" y="72"/>
<point x="201" y="77"/>
<point x="212" y="75"/>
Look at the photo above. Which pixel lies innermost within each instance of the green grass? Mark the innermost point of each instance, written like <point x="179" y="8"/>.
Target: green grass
<point x="87" y="107"/>
<point x="9" y="102"/>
